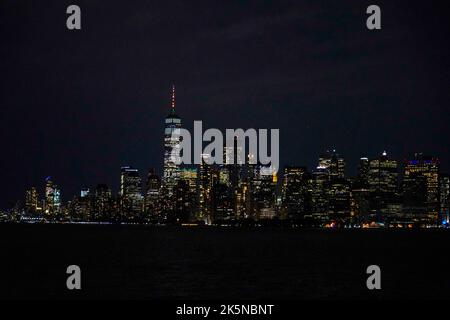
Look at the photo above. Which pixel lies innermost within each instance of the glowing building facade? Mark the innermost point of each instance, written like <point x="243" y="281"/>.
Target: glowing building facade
<point x="384" y="186"/>
<point x="333" y="162"/>
<point x="32" y="201"/>
<point x="421" y="188"/>
<point x="295" y="192"/>
<point x="171" y="149"/>
<point x="52" y="198"/>
<point x="130" y="193"/>
<point x="153" y="196"/>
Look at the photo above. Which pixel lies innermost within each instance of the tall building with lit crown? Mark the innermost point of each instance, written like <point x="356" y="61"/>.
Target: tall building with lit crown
<point x="383" y="186"/>
<point x="421" y="188"/>
<point x="171" y="149"/>
<point x="338" y="191"/>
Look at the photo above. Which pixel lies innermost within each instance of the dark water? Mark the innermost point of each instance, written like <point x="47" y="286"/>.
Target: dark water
<point x="211" y="263"/>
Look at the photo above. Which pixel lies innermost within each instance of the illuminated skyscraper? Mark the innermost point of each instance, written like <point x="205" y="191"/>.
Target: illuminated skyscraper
<point x="204" y="191"/>
<point x="232" y="173"/>
<point x="295" y="192"/>
<point x="360" y="193"/>
<point x="32" y="201"/>
<point x="190" y="175"/>
<point x="383" y="175"/>
<point x="383" y="186"/>
<point x="339" y="200"/>
<point x="263" y="183"/>
<point x="48" y="192"/>
<point x="130" y="192"/>
<point x="182" y="203"/>
<point x="223" y="193"/>
<point x="171" y="149"/>
<point x="319" y="194"/>
<point x="222" y="202"/>
<point x="153" y="196"/>
<point x="338" y="192"/>
<point x="241" y="201"/>
<point x="103" y="209"/>
<point x="334" y="163"/>
<point x="187" y="194"/>
<point x="363" y="170"/>
<point x="52" y="198"/>
<point x="130" y="182"/>
<point x="81" y="207"/>
<point x="421" y="188"/>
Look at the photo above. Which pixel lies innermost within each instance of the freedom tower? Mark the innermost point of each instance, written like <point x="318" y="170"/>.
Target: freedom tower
<point x="171" y="144"/>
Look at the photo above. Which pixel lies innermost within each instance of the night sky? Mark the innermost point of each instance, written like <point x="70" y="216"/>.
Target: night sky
<point x="77" y="105"/>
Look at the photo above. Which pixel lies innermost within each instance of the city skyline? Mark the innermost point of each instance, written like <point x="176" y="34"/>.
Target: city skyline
<point x="384" y="190"/>
<point x="328" y="83"/>
<point x="173" y="117"/>
<point x="174" y="121"/>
